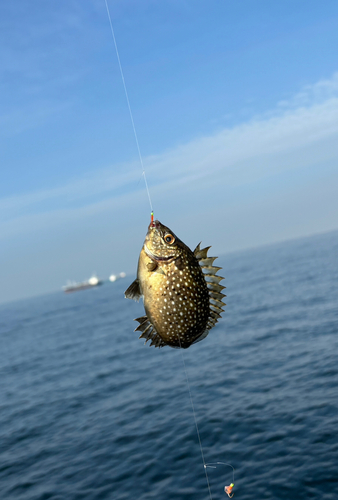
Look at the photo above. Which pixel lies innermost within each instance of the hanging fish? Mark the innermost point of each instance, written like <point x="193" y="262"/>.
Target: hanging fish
<point x="180" y="288"/>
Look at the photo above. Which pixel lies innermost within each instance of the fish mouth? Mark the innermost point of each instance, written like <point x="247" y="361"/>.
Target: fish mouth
<point x="156" y="258"/>
<point x="154" y="224"/>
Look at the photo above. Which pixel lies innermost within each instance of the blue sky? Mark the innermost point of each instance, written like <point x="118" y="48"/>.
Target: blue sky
<point x="236" y="110"/>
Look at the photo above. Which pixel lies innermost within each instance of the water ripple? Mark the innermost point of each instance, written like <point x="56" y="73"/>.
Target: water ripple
<point x="88" y="412"/>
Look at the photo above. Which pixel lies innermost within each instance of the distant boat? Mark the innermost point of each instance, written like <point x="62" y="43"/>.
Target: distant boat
<point x="83" y="285"/>
<point x="114" y="277"/>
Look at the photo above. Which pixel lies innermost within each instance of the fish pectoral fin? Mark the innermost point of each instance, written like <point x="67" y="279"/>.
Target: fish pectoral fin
<point x="151" y="266"/>
<point x="133" y="291"/>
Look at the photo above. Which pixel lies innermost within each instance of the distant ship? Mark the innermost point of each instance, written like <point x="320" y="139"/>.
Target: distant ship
<point x="114" y="277"/>
<point x="76" y="287"/>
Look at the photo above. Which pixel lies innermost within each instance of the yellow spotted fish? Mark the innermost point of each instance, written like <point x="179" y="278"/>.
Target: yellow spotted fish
<point x="181" y="292"/>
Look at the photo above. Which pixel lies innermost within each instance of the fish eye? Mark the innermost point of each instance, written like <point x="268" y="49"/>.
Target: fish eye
<point x="169" y="239"/>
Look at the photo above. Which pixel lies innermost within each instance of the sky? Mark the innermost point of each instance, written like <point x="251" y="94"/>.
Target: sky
<point x="235" y="106"/>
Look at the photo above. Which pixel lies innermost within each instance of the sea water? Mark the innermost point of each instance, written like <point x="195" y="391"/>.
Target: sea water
<point x="88" y="412"/>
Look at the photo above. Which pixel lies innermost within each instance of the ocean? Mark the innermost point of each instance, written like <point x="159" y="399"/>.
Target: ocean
<point x="87" y="411"/>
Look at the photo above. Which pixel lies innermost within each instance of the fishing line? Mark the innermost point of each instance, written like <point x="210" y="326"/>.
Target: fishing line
<point x="129" y="107"/>
<point x="152" y="218"/>
<point x="196" y="425"/>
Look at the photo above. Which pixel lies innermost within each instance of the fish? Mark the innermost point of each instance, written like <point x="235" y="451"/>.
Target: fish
<point x="181" y="290"/>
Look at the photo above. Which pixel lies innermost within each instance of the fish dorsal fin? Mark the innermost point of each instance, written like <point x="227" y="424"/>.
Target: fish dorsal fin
<point x="201" y="254"/>
<point x="148" y="332"/>
<point x="197" y="249"/>
<point x="212" y="280"/>
<point x="133" y="291"/>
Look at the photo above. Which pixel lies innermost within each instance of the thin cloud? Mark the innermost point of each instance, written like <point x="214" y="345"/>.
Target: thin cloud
<point x="259" y="149"/>
<point x="317" y="93"/>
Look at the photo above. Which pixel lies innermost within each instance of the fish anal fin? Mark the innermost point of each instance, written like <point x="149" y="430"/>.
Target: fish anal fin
<point x="201" y="337"/>
<point x="157" y="341"/>
<point x="143" y="327"/>
<point x="149" y="332"/>
<point x="142" y="319"/>
<point x="133" y="291"/>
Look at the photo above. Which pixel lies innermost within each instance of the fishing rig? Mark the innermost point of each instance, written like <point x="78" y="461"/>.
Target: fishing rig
<point x="227" y="489"/>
